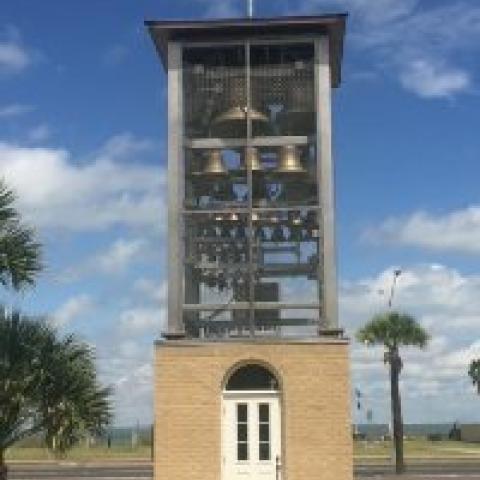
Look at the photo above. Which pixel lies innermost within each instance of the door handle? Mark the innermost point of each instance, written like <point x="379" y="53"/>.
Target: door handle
<point x="278" y="467"/>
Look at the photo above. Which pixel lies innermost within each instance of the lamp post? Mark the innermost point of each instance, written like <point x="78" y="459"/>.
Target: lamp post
<point x="396" y="274"/>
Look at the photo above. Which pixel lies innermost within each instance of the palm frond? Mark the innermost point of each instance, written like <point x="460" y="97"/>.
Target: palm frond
<point x="393" y="329"/>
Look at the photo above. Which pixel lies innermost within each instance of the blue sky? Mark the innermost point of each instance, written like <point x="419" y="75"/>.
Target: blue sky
<point x="82" y="140"/>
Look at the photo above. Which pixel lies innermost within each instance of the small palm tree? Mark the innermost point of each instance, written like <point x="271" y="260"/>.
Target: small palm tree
<point x="393" y="330"/>
<point x="20" y="253"/>
<point x="48" y="385"/>
<point x="474" y="373"/>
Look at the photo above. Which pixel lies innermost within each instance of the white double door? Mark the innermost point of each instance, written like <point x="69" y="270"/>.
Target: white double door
<point x="251" y="436"/>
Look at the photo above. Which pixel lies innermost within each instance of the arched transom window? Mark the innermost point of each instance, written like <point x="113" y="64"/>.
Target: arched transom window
<point x="252" y="377"/>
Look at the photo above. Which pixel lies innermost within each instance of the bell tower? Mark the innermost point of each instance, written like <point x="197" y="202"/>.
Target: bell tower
<point x="252" y="376"/>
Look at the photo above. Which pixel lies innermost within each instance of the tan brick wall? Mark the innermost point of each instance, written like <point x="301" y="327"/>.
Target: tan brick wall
<point x="316" y="427"/>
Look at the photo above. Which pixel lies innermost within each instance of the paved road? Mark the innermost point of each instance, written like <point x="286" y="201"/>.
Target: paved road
<point x="72" y="471"/>
<point x="143" y="471"/>
<point x="469" y="470"/>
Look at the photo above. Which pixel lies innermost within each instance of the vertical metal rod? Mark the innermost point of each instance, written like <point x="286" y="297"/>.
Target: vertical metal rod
<point x="249" y="8"/>
<point x="251" y="269"/>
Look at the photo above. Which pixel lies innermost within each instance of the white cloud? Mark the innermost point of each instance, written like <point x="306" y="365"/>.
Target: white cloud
<point x="120" y="255"/>
<point x="111" y="188"/>
<point x="14" y="57"/>
<point x="415" y="42"/>
<point x="113" y="260"/>
<point x="14" y="110"/>
<point x="72" y="309"/>
<point x="447" y="304"/>
<point x="434" y="81"/>
<point x="455" y="231"/>
<point x="127" y="366"/>
<point x="156" y="292"/>
<point x="39" y="133"/>
<point x="142" y="320"/>
<point x="374" y="12"/>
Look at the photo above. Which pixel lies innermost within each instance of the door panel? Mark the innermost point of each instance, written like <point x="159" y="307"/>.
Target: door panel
<point x="250" y="436"/>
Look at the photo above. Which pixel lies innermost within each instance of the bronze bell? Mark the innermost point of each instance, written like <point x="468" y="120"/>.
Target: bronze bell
<point x="253" y="159"/>
<point x="239" y="114"/>
<point x="290" y="160"/>
<point x="214" y="165"/>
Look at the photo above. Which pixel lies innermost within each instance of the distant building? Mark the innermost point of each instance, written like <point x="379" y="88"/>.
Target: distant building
<point x="470" y="432"/>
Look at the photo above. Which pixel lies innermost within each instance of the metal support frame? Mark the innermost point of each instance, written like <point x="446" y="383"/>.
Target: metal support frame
<point x="175" y="191"/>
<point x="327" y="281"/>
<point x="325" y="171"/>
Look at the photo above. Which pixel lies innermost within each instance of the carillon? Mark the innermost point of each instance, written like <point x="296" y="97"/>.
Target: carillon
<point x="252" y="369"/>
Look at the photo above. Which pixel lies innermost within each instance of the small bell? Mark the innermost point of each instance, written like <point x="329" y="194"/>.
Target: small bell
<point x="211" y="280"/>
<point x="224" y="256"/>
<point x="210" y="232"/>
<point x="253" y="159"/>
<point x="296" y="234"/>
<point x="277" y="234"/>
<point x="214" y="164"/>
<point x="240" y="233"/>
<point x="226" y="233"/>
<point x="290" y="160"/>
<point x="221" y="281"/>
<point x="212" y="256"/>
<point x="260" y="234"/>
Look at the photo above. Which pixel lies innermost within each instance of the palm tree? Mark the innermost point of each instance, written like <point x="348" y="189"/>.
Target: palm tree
<point x="474" y="373"/>
<point x="20" y="253"/>
<point x="392" y="330"/>
<point x="48" y="385"/>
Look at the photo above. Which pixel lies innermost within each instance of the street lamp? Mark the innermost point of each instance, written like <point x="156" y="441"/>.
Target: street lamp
<point x="396" y="274"/>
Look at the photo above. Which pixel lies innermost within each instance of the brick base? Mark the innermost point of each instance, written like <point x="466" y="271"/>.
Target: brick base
<point x="315" y="397"/>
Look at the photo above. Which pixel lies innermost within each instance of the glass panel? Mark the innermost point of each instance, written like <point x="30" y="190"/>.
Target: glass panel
<point x="242" y="451"/>
<point x="214" y="91"/>
<point x="264" y="431"/>
<point x="252" y="377"/>
<point x="264" y="451"/>
<point x="282" y="86"/>
<point x="264" y="412"/>
<point x="242" y="431"/>
<point x="242" y="412"/>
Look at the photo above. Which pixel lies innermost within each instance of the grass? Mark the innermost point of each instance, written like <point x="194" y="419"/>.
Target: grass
<point x="418" y="448"/>
<point x="80" y="453"/>
<point x="365" y="451"/>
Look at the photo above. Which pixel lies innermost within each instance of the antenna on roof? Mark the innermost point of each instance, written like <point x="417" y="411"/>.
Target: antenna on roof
<point x="249" y="8"/>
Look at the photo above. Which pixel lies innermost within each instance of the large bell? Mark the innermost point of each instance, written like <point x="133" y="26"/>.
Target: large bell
<point x="290" y="160"/>
<point x="239" y="114"/>
<point x="233" y="122"/>
<point x="214" y="164"/>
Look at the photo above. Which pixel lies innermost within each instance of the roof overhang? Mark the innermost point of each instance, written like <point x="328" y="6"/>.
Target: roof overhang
<point x="332" y="25"/>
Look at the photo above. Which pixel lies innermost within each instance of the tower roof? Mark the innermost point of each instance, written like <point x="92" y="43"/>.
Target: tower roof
<point x="333" y="25"/>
